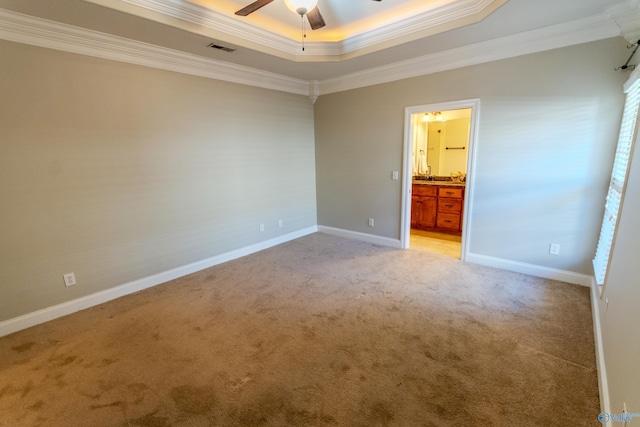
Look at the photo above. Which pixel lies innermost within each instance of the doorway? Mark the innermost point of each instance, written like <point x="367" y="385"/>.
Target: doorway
<point x="445" y="167"/>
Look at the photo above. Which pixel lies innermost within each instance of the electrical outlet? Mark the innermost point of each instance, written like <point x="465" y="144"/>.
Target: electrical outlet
<point x="261" y="228"/>
<point x="370" y="222"/>
<point x="394" y="175"/>
<point x="554" y="249"/>
<point x="69" y="279"/>
<point x="280" y="223"/>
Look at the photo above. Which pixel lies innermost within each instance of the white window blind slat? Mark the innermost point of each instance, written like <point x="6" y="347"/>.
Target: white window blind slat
<point x="618" y="177"/>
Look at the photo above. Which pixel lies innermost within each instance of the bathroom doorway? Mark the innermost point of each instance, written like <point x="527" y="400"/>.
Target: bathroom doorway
<point x="438" y="176"/>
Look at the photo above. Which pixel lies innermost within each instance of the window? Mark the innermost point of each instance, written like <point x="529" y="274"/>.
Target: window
<point x="618" y="177"/>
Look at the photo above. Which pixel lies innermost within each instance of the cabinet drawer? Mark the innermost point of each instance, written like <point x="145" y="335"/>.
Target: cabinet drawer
<point x="450" y="192"/>
<point x="449" y="221"/>
<point x="424" y="190"/>
<point x="446" y="205"/>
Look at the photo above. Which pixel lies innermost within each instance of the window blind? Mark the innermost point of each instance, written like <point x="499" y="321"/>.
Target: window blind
<point x="618" y="178"/>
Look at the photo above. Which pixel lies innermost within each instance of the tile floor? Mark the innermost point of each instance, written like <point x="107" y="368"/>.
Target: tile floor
<point x="441" y="243"/>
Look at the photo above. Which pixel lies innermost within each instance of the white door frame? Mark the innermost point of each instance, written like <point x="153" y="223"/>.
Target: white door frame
<point x="407" y="169"/>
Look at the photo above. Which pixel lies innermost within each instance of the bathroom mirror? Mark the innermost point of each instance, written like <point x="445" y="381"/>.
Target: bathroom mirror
<point x="441" y="141"/>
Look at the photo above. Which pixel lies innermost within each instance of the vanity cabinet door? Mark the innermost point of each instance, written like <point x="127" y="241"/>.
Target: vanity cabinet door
<point x="429" y="210"/>
<point x="423" y="211"/>
<point x="416" y="214"/>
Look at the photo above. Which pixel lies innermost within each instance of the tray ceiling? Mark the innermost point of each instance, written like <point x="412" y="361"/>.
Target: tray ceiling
<point x="391" y="39"/>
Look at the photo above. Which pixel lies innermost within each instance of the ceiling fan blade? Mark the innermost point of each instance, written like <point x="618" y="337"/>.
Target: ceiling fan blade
<point x="253" y="7"/>
<point x="315" y="18"/>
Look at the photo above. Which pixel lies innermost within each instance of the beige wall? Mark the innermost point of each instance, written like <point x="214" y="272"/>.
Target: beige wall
<point x="116" y="172"/>
<point x="620" y="320"/>
<point x="547" y="131"/>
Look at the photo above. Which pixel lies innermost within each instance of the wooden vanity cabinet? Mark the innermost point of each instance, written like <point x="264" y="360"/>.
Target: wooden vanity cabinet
<point x="424" y="204"/>
<point x="449" y="209"/>
<point x="437" y="208"/>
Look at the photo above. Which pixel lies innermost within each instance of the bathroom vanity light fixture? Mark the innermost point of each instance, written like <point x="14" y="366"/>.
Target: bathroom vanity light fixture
<point x="436" y="116"/>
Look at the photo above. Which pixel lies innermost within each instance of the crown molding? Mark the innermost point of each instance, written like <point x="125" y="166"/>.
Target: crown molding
<point x="314" y="90"/>
<point x="627" y="16"/>
<point x="21" y="28"/>
<point x="586" y="30"/>
<point x="440" y="19"/>
<point x="443" y="17"/>
<point x="242" y="32"/>
<point x="26" y="29"/>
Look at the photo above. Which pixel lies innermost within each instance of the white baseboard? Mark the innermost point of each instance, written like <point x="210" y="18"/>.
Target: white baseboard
<point x="603" y="386"/>
<point x="355" y="235"/>
<point x="504" y="264"/>
<point x="31" y="319"/>
<point x="530" y="269"/>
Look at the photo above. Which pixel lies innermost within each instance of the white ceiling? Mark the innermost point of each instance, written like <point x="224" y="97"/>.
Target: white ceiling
<point x="361" y="35"/>
<point x="351" y="25"/>
<point x="344" y="18"/>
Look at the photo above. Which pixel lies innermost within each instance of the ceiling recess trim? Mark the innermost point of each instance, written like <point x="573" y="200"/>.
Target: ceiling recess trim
<point x="240" y="31"/>
<point x="443" y="18"/>
<point x="25" y="29"/>
<point x="436" y="20"/>
<point x="585" y="30"/>
<point x="20" y="28"/>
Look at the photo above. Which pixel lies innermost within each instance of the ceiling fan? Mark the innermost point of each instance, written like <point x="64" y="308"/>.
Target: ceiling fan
<point x="308" y="8"/>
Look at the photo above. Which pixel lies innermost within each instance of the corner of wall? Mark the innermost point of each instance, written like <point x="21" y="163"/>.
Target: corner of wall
<point x="355" y="235"/>
<point x="603" y="387"/>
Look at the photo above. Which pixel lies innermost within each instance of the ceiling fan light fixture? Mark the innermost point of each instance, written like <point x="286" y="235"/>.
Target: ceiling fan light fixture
<point x="301" y="7"/>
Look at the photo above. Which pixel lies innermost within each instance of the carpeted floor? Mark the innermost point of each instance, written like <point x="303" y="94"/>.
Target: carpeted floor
<point x="318" y="331"/>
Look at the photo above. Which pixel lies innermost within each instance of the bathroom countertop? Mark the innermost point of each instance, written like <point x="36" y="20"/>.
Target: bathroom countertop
<point x="445" y="183"/>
